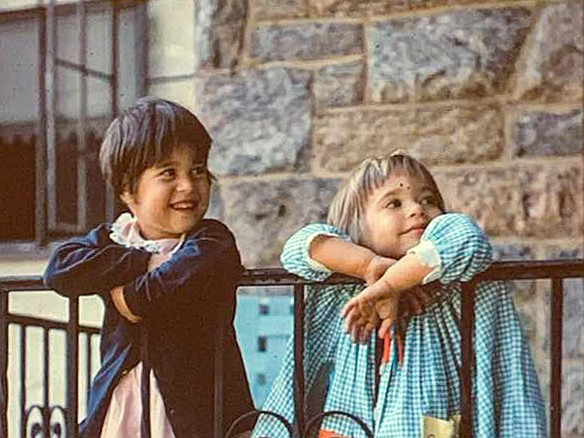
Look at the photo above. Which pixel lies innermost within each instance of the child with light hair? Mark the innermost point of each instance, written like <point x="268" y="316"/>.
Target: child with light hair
<point x="388" y="226"/>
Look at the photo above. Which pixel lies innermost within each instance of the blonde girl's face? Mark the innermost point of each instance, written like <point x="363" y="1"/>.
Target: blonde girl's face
<point x="396" y="215"/>
<point x="172" y="196"/>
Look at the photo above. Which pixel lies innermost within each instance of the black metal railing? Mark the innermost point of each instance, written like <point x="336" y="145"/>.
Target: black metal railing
<point x="556" y="271"/>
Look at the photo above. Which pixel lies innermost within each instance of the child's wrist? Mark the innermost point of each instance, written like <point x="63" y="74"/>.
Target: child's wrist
<point x="366" y="265"/>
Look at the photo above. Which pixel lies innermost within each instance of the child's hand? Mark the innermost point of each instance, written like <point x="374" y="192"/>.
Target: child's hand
<point x="413" y="302"/>
<point x="117" y="294"/>
<point x="376" y="268"/>
<point x="361" y="311"/>
<point x="387" y="309"/>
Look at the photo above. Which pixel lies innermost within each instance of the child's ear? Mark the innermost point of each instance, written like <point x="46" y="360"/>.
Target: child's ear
<point x="126" y="197"/>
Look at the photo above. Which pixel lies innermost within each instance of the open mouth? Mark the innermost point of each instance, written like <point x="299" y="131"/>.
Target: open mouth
<point x="183" y="205"/>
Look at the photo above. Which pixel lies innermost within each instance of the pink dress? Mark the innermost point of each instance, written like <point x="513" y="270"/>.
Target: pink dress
<point x="124" y="413"/>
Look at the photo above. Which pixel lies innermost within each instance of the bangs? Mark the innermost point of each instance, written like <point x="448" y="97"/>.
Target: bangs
<point x="163" y="130"/>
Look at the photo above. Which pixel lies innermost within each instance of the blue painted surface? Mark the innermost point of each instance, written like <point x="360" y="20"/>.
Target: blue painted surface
<point x="263" y="325"/>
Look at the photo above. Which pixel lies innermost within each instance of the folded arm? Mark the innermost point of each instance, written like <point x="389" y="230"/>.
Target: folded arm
<point x="208" y="257"/>
<point x="93" y="264"/>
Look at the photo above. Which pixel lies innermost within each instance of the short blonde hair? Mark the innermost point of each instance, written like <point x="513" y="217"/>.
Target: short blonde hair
<point x="348" y="206"/>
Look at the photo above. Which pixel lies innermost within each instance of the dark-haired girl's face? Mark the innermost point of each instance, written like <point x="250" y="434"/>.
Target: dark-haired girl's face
<point x="172" y="196"/>
<point x="396" y="215"/>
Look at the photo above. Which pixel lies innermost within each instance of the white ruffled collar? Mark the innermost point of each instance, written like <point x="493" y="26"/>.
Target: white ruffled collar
<point x="125" y="231"/>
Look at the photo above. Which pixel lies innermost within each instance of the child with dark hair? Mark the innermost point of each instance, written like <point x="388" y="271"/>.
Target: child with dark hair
<point x="388" y="226"/>
<point x="167" y="277"/>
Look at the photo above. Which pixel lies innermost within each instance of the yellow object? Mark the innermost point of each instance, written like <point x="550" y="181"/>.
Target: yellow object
<point x="438" y="428"/>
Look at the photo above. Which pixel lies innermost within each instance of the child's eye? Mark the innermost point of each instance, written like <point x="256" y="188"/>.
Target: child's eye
<point x="199" y="171"/>
<point x="168" y="173"/>
<point x="394" y="203"/>
<point x="429" y="200"/>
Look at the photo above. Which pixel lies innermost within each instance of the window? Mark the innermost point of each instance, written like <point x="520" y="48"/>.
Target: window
<point x="66" y="68"/>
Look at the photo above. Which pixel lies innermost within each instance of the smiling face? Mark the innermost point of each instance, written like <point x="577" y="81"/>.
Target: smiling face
<point x="171" y="197"/>
<point x="396" y="214"/>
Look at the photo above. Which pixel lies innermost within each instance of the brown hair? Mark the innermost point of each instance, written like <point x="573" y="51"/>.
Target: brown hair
<point x="143" y="135"/>
<point x="348" y="206"/>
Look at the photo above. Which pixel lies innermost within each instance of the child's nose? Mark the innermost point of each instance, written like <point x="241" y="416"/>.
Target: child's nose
<point x="416" y="209"/>
<point x="186" y="184"/>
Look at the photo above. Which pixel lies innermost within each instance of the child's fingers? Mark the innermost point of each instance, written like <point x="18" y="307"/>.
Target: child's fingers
<point x="351" y="319"/>
<point x="385" y="328"/>
<point x="348" y="307"/>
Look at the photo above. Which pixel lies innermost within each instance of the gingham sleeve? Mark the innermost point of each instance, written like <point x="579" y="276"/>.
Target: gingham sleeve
<point x="456" y="247"/>
<point x="296" y="257"/>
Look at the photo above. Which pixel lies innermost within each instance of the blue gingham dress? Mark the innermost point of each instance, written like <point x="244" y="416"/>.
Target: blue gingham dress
<point x="507" y="396"/>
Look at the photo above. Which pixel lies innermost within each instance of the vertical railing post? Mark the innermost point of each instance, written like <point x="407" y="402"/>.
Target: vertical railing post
<point x="3" y="362"/>
<point x="299" y="358"/>
<point x="46" y="408"/>
<point x="466" y="372"/>
<point x="72" y="367"/>
<point x="557" y="305"/>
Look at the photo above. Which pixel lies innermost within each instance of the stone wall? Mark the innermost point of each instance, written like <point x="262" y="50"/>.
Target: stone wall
<point x="487" y="93"/>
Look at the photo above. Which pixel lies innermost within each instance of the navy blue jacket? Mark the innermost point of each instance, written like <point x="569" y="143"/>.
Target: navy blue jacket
<point x="181" y="304"/>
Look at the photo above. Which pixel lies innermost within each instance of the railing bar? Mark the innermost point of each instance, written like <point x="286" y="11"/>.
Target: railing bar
<point x="3" y="363"/>
<point x="556" y="358"/>
<point x="515" y="270"/>
<point x="46" y="410"/>
<point x="23" y="381"/>
<point x="30" y="321"/>
<point x="467" y="368"/>
<point x="299" y="358"/>
<point x="72" y="368"/>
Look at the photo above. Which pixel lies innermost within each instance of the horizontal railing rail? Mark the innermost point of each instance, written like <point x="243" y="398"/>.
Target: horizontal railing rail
<point x="554" y="270"/>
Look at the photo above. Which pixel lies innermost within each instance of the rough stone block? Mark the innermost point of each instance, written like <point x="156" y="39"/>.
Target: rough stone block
<point x="306" y="41"/>
<point x="435" y="135"/>
<point x="573" y="398"/>
<point x="263" y="214"/>
<point x="260" y="120"/>
<point x="543" y="133"/>
<point x="454" y="55"/>
<point x="278" y="9"/>
<point x="339" y="85"/>
<point x="219" y="32"/>
<point x="536" y="201"/>
<point x="491" y="195"/>
<point x="554" y="61"/>
<point x="552" y="201"/>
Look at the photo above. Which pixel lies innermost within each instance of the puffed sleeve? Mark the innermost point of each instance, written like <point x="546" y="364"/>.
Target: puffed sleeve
<point x="296" y="256"/>
<point x="456" y="247"/>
